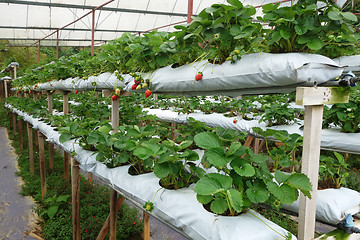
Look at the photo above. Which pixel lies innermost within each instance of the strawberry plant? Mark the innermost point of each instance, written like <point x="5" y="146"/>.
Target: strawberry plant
<point x="171" y="165"/>
<point x="282" y="156"/>
<point x="243" y="177"/>
<point x="344" y="115"/>
<point x="278" y="114"/>
<point x="333" y="171"/>
<point x="307" y="26"/>
<point x="221" y="28"/>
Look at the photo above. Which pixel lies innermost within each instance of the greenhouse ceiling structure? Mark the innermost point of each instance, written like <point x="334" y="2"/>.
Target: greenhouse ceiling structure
<point x="70" y="22"/>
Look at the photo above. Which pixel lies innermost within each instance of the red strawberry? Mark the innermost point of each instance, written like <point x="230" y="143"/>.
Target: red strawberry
<point x="76" y="92"/>
<point x="137" y="82"/>
<point x="133" y="87"/>
<point x="29" y="91"/>
<point x="114" y="97"/>
<point x="198" y="76"/>
<point x="35" y="86"/>
<point x="147" y="93"/>
<point x="234" y="121"/>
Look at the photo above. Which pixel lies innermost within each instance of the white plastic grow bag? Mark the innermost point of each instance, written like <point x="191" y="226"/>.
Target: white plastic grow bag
<point x="256" y="73"/>
<point x="332" y="205"/>
<point x="351" y="63"/>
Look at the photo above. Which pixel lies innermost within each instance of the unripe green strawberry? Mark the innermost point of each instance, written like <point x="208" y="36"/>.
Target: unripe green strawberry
<point x="138" y="87"/>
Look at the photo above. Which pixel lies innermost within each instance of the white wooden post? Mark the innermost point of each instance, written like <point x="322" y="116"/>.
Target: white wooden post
<point x="313" y="99"/>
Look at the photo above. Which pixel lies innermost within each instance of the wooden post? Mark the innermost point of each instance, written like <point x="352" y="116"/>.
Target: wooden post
<point x="31" y="146"/>
<point x="66" y="165"/>
<point x="313" y="99"/>
<point x="113" y="214"/>
<point x="35" y="97"/>
<point x="10" y="119"/>
<point x="14" y="123"/>
<point x="36" y="133"/>
<point x="146" y="219"/>
<point x="51" y="156"/>
<point x="6" y="88"/>
<point x="66" y="103"/>
<point x="105" y="228"/>
<point x="42" y="165"/>
<point x="75" y="191"/>
<point x="113" y="193"/>
<point x="173" y="130"/>
<point x="50" y="102"/>
<point x="19" y="122"/>
<point x="256" y="145"/>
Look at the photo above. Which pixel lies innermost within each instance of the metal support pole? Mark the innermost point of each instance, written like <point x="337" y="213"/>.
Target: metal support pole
<point x="92" y="32"/>
<point x="57" y="44"/>
<point x="190" y="10"/>
<point x="39" y="52"/>
<point x="27" y="54"/>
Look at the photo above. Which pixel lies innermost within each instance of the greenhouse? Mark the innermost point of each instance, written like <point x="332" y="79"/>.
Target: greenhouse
<point x="198" y="119"/>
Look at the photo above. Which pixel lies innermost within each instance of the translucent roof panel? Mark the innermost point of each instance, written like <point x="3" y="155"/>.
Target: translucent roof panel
<point x="24" y="22"/>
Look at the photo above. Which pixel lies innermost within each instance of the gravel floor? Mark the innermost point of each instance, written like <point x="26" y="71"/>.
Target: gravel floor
<point x="15" y="210"/>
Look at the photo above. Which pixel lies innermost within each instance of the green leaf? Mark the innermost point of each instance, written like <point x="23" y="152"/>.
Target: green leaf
<point x="73" y="127"/>
<point x="257" y="192"/>
<point x="280" y="176"/>
<point x="219" y="206"/>
<point x="185" y="144"/>
<point x="300" y="30"/>
<point x="216" y="157"/>
<point x="191" y="155"/>
<point x="235" y="3"/>
<point x="349" y="16"/>
<point x="315" y="44"/>
<point x="213" y="183"/>
<point x="235" y="30"/>
<point x="303" y="39"/>
<point x="162" y="170"/>
<point x="207" y="140"/>
<point x="65" y="137"/>
<point x="285" y="34"/>
<point x="276" y="36"/>
<point x="268" y="7"/>
<point x="334" y="15"/>
<point x="204" y="199"/>
<point x="245" y="170"/>
<point x="285" y="193"/>
<point x="142" y="152"/>
<point x="233" y="148"/>
<point x="52" y="211"/>
<point x="105" y="129"/>
<point x="235" y="199"/>
<point x="301" y="182"/>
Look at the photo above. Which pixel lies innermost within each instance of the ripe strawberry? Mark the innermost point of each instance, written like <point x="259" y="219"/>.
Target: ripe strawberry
<point x="198" y="76"/>
<point x="137" y="82"/>
<point x="35" y="86"/>
<point x="76" y="92"/>
<point x="133" y="87"/>
<point x="147" y="93"/>
<point x="114" y="97"/>
<point x="234" y="121"/>
<point x="29" y="91"/>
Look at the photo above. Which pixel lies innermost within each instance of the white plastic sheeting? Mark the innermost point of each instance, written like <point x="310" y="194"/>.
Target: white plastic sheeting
<point x="351" y="63"/>
<point x="331" y="139"/>
<point x="332" y="205"/>
<point x="177" y="207"/>
<point x="257" y="73"/>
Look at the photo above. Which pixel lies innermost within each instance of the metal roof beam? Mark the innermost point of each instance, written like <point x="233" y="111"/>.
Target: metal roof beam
<point x="49" y="40"/>
<point x="67" y="29"/>
<point x="63" y="5"/>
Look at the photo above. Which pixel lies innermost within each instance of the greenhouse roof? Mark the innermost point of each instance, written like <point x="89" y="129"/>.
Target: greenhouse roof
<point x="24" y="22"/>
